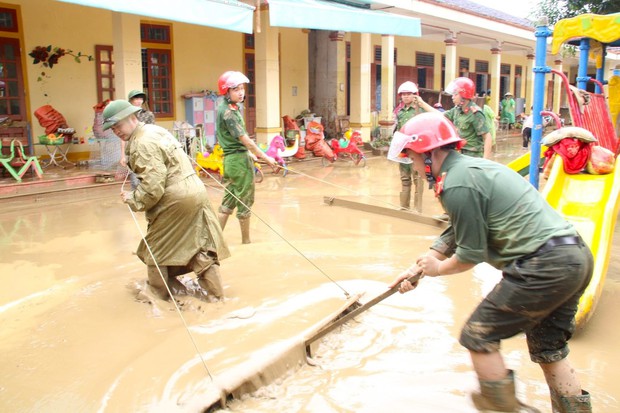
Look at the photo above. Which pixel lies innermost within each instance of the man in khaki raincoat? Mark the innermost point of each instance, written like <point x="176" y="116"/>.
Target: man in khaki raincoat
<point x="183" y="231"/>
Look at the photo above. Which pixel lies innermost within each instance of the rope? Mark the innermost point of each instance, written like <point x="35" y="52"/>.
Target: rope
<point x="148" y="247"/>
<point x="346" y="293"/>
<point x="383" y="201"/>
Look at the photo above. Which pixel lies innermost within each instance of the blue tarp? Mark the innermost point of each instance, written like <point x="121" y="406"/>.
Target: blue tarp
<point x="228" y="14"/>
<point x="325" y="15"/>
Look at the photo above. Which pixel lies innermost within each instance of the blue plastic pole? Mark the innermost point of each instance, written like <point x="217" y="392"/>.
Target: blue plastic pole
<point x="600" y="71"/>
<point x="582" y="72"/>
<point x="540" y="69"/>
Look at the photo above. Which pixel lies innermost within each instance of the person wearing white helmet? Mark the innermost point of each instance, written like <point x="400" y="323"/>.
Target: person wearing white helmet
<point x="237" y="146"/>
<point x="409" y="173"/>
<point x="183" y="233"/>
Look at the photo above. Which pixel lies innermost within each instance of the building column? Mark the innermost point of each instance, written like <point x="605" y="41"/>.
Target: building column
<point x="557" y="86"/>
<point x="529" y="81"/>
<point x="267" y="76"/>
<point x="496" y="63"/>
<point x="451" y="59"/>
<point x="361" y="48"/>
<point x="128" y="50"/>
<point x="386" y="118"/>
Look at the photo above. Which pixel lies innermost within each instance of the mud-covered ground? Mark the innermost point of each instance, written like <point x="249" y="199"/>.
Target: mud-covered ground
<point x="74" y="337"/>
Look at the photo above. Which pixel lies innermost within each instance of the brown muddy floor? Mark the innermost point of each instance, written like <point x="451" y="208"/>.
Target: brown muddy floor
<point x="75" y="339"/>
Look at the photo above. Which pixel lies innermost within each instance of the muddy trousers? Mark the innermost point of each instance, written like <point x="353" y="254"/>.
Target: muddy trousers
<point x="500" y="396"/>
<point x="244" y="223"/>
<point x="571" y="404"/>
<point x="204" y="264"/>
<point x="409" y="176"/>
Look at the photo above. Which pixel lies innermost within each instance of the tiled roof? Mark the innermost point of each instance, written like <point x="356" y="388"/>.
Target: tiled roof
<point x="479" y="9"/>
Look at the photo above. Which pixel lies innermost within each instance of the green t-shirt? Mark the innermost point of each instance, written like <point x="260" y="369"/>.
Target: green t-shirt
<point x="405" y="113"/>
<point x="471" y="124"/>
<point x="230" y="127"/>
<point x="495" y="215"/>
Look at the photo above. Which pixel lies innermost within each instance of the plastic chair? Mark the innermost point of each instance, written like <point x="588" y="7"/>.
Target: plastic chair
<point x="16" y="163"/>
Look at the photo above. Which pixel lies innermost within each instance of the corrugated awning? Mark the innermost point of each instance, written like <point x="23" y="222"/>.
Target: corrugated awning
<point x="325" y="15"/>
<point x="222" y="14"/>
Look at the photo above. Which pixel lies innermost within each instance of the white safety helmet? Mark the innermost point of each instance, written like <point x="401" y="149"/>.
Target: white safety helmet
<point x="408" y="87"/>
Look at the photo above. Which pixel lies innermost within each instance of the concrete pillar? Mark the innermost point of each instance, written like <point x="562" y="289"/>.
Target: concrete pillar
<point x="361" y="52"/>
<point x="557" y="86"/>
<point x="529" y="82"/>
<point x="451" y="59"/>
<point x="267" y="85"/>
<point x="496" y="63"/>
<point x="127" y="54"/>
<point x="386" y="118"/>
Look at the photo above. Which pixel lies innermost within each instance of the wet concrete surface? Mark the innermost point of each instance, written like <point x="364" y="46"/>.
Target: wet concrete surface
<point x="74" y="337"/>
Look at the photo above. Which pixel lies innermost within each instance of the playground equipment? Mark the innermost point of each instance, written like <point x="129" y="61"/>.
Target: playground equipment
<point x="347" y="147"/>
<point x="588" y="201"/>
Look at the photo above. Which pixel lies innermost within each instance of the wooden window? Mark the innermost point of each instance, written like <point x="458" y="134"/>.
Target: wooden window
<point x="157" y="76"/>
<point x="249" y="41"/>
<point x="104" y="65"/>
<point x="158" y="83"/>
<point x="482" y="66"/>
<point x="8" y="20"/>
<point x="463" y="64"/>
<point x="154" y="33"/>
<point x="505" y="69"/>
<point x="425" y="63"/>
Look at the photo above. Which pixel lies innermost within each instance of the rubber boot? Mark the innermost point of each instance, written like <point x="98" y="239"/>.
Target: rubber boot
<point x="245" y="230"/>
<point x="419" y="192"/>
<point x="571" y="404"/>
<point x="499" y="396"/>
<point x="223" y="218"/>
<point x="210" y="280"/>
<point x="156" y="283"/>
<point x="405" y="199"/>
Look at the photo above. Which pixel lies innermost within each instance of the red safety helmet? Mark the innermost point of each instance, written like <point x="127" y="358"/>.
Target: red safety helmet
<point x="464" y="86"/>
<point x="430" y="130"/>
<point x="229" y="80"/>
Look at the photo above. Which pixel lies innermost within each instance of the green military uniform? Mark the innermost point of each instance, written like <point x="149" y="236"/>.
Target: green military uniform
<point x="407" y="174"/>
<point x="238" y="166"/>
<point x="471" y="124"/>
<point x="499" y="218"/>
<point x="490" y="116"/>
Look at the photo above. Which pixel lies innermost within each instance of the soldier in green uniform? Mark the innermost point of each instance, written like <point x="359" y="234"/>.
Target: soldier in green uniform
<point x="183" y="233"/>
<point x="499" y="218"/>
<point x="235" y="142"/>
<point x="468" y="118"/>
<point x="408" y="172"/>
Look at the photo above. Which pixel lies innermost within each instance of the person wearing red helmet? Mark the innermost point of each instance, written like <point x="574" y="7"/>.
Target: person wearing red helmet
<point x="407" y="109"/>
<point x="499" y="218"/>
<point x="468" y="118"/>
<point x="237" y="146"/>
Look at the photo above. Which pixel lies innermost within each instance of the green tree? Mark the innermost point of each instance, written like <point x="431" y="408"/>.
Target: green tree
<point x="556" y="10"/>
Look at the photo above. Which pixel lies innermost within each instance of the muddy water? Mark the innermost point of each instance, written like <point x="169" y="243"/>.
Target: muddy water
<point x="74" y="338"/>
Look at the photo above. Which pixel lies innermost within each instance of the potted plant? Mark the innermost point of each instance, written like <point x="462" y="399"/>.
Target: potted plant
<point x="379" y="144"/>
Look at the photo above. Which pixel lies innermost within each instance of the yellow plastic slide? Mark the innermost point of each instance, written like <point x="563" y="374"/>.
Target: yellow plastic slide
<point x="522" y="163"/>
<point x="590" y="203"/>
